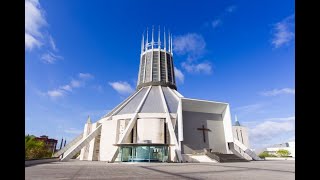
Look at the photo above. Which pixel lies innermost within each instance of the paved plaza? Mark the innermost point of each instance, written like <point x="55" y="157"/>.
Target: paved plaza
<point x="75" y="169"/>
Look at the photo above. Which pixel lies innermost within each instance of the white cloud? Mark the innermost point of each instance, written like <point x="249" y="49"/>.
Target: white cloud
<point x="283" y="32"/>
<point x="122" y="87"/>
<point x="216" y="23"/>
<point x="192" y="44"/>
<point x="98" y="88"/>
<point x="31" y="42"/>
<point x="36" y="34"/>
<point x="291" y="118"/>
<point x="179" y="75"/>
<point x="248" y="108"/>
<point x="52" y="43"/>
<point x="34" y="21"/>
<point x="204" y="67"/>
<point x="85" y="76"/>
<point x="64" y="89"/>
<point x="67" y="87"/>
<point x="50" y="58"/>
<point x="271" y="129"/>
<point x="73" y="131"/>
<point x="276" y="92"/>
<point x="75" y="83"/>
<point x="56" y="93"/>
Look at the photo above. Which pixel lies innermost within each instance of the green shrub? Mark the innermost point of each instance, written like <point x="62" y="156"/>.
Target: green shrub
<point x="283" y="153"/>
<point x="266" y="154"/>
<point x="35" y="149"/>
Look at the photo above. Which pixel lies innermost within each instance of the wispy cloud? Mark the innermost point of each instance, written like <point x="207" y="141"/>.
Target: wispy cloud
<point x="219" y="19"/>
<point x="276" y="92"/>
<point x="73" y="131"/>
<point x="122" y="87"/>
<point x="36" y="33"/>
<point x="283" y="32"/>
<point x="98" y="88"/>
<point x="50" y="58"/>
<point x="56" y="93"/>
<point x="31" y="42"/>
<point x="52" y="43"/>
<point x="85" y="76"/>
<point x="204" y="67"/>
<point x="268" y="130"/>
<point x="34" y="22"/>
<point x="67" y="88"/>
<point x="193" y="46"/>
<point x="248" y="109"/>
<point x="215" y="23"/>
<point x="291" y="118"/>
<point x="179" y="75"/>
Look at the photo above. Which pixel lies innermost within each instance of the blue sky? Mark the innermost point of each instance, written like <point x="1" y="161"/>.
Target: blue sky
<point x="82" y="58"/>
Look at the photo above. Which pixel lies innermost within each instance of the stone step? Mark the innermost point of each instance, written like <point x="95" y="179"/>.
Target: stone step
<point x="226" y="157"/>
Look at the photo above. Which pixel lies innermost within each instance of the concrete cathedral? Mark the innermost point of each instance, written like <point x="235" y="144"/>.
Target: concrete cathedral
<point x="158" y="124"/>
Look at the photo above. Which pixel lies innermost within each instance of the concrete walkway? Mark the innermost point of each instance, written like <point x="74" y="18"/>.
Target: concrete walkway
<point x="75" y="169"/>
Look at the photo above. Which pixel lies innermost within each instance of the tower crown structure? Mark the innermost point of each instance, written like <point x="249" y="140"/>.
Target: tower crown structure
<point x="156" y="61"/>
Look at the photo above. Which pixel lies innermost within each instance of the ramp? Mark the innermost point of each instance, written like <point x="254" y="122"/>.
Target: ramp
<point x="245" y="149"/>
<point x="70" y="144"/>
<point x="80" y="144"/>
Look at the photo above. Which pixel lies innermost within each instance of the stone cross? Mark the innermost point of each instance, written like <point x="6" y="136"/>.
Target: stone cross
<point x="203" y="129"/>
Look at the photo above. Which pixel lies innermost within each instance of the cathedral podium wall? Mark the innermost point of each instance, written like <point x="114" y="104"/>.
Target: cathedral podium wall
<point x="108" y="139"/>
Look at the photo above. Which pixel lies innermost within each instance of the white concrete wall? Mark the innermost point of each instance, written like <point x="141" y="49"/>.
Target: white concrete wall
<point x="193" y="138"/>
<point x="150" y="129"/>
<point x="216" y="136"/>
<point x="243" y="137"/>
<point x="85" y="150"/>
<point x="94" y="145"/>
<point x="108" y="137"/>
<point x="227" y="126"/>
<point x="123" y="123"/>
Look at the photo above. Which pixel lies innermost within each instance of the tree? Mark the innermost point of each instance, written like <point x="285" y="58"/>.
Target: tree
<point x="265" y="154"/>
<point x="283" y="153"/>
<point x="35" y="149"/>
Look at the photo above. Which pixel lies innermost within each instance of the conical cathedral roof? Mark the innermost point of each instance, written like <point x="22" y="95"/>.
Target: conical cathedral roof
<point x="152" y="104"/>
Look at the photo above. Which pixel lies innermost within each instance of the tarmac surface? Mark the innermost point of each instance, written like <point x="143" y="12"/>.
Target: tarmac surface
<point x="75" y="169"/>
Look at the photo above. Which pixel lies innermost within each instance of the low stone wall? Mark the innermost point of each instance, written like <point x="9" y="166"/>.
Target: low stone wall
<point x="279" y="158"/>
<point x="40" y="161"/>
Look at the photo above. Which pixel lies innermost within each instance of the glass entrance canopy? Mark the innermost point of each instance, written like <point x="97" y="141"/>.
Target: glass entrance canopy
<point x="142" y="153"/>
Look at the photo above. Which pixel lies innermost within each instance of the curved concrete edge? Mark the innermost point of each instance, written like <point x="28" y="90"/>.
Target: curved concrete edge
<point x="40" y="161"/>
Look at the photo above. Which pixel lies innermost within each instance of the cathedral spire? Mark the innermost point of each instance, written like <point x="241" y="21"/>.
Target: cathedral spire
<point x="171" y="44"/>
<point x="152" y="39"/>
<point x="159" y="43"/>
<point x="142" y="43"/>
<point x="236" y="121"/>
<point x="169" y="41"/>
<point x="88" y="120"/>
<point x="146" y="46"/>
<point x="164" y="38"/>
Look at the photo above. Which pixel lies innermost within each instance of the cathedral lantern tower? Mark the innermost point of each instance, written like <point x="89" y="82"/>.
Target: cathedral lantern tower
<point x="156" y="61"/>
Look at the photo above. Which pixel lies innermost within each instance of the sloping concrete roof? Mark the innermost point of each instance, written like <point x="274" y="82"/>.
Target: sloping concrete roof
<point x="152" y="104"/>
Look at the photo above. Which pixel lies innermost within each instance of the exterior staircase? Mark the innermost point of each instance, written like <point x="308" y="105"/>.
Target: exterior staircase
<point x="225" y="157"/>
<point x="245" y="149"/>
<point x="64" y="149"/>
